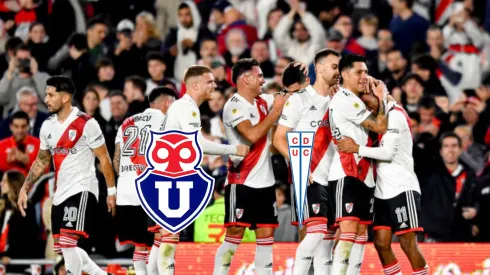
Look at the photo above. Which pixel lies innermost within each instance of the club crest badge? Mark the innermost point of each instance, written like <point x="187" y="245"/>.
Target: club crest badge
<point x="316" y="208"/>
<point x="72" y="134"/>
<point x="173" y="189"/>
<point x="349" y="207"/>
<point x="239" y="213"/>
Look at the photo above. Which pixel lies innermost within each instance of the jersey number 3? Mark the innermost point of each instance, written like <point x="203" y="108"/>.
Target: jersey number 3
<point x="132" y="134"/>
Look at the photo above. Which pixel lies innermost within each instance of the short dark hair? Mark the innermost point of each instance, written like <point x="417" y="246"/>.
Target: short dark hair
<point x="183" y="6"/>
<point x="450" y="135"/>
<point x="137" y="82"/>
<point x="103" y="62"/>
<point x="61" y="83"/>
<point x="161" y="91"/>
<point x="19" y="115"/>
<point x="324" y="53"/>
<point x="241" y="66"/>
<point x="425" y="62"/>
<point x="347" y="61"/>
<point x="394" y="50"/>
<point x="79" y="41"/>
<point x="409" y="3"/>
<point x="434" y="28"/>
<point x="415" y="77"/>
<point x="155" y="56"/>
<point x="34" y="24"/>
<point x="288" y="58"/>
<point x="415" y="116"/>
<point x="292" y="74"/>
<point x="118" y="93"/>
<point x="95" y="21"/>
<point x="427" y="102"/>
<point x="12" y="43"/>
<point x="195" y="70"/>
<point x="22" y="47"/>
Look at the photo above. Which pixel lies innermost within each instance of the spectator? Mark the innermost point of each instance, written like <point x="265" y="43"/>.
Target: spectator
<point x="462" y="30"/>
<point x="216" y="104"/>
<point x="119" y="112"/>
<point x="156" y="69"/>
<point x="473" y="154"/>
<point x="236" y="47"/>
<point x="425" y="66"/>
<point x="81" y="71"/>
<point x="182" y="43"/>
<point x="208" y="52"/>
<point x="270" y="25"/>
<point x="335" y="40"/>
<point x="145" y="36"/>
<point x="134" y="91"/>
<point x="447" y="196"/>
<point x="221" y="75"/>
<point x="377" y="64"/>
<point x="38" y="43"/>
<point x="345" y="27"/>
<point x="272" y="88"/>
<point x="412" y="91"/>
<point x="435" y="41"/>
<point x="105" y="102"/>
<point x="285" y="232"/>
<point x="124" y="55"/>
<point x="408" y="28"/>
<point x="397" y="67"/>
<point x="27" y="102"/>
<point x="90" y="106"/>
<point x="22" y="71"/>
<point x="481" y="229"/>
<point x="281" y="64"/>
<point x="214" y="165"/>
<point x="17" y="231"/>
<point x="260" y="52"/>
<point x="10" y="46"/>
<point x="368" y="27"/>
<point x="106" y="74"/>
<point x="20" y="150"/>
<point x="307" y="37"/>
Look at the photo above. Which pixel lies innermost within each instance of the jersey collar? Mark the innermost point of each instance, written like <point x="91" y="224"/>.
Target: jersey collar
<point x="74" y="110"/>
<point x="152" y="111"/>
<point x="242" y="99"/>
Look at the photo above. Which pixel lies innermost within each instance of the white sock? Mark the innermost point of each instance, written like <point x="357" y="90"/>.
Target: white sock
<point x="263" y="256"/>
<point x="306" y="249"/>
<point x="88" y="266"/>
<point x="224" y="255"/>
<point x="342" y="253"/>
<point x="57" y="248"/>
<point x="152" y="267"/>
<point x="322" y="259"/>
<point x="166" y="254"/>
<point x="73" y="260"/>
<point x="357" y="255"/>
<point x="139" y="262"/>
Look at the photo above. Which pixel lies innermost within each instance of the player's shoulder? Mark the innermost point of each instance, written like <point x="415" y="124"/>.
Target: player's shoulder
<point x="234" y="102"/>
<point x="83" y="116"/>
<point x="398" y="115"/>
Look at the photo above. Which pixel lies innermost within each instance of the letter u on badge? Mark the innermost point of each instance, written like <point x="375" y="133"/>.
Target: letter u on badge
<point x="300" y="149"/>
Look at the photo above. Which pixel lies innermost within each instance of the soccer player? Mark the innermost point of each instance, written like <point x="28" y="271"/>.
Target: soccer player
<point x="184" y="115"/>
<point x="351" y="181"/>
<point x="250" y="197"/>
<point x="307" y="110"/>
<point x="397" y="193"/>
<point x="129" y="162"/>
<point x="72" y="139"/>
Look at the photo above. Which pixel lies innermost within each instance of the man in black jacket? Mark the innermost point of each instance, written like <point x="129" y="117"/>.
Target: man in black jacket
<point x="447" y="195"/>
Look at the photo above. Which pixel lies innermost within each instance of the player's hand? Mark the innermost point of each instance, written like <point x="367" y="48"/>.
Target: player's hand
<point x="347" y="145"/>
<point x="111" y="205"/>
<point x="302" y="66"/>
<point x="279" y="102"/>
<point x="475" y="230"/>
<point x="242" y="150"/>
<point x="22" y="201"/>
<point x="469" y="213"/>
<point x="333" y="90"/>
<point x="378" y="88"/>
<point x="310" y="180"/>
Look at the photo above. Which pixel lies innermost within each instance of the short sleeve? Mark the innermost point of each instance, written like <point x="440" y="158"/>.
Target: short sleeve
<point x="93" y="134"/>
<point x="43" y="142"/>
<point x="183" y="117"/>
<point x="291" y="113"/>
<point x="354" y="110"/>
<point x="234" y="113"/>
<point x="119" y="136"/>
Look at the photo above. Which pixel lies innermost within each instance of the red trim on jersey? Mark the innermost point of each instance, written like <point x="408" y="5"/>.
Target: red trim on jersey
<point x="136" y="158"/>
<point x="133" y="243"/>
<point x="267" y="225"/>
<point x="242" y="224"/>
<point x="315" y="221"/>
<point x="409" y="122"/>
<point x="468" y="48"/>
<point x="382" y="227"/>
<point x="365" y="222"/>
<point x="441" y="8"/>
<point x="55" y="236"/>
<point x="4" y="238"/>
<point x="418" y="229"/>
<point x="239" y="174"/>
<point x="76" y="232"/>
<point x="154" y="229"/>
<point x="323" y="137"/>
<point x="65" y="142"/>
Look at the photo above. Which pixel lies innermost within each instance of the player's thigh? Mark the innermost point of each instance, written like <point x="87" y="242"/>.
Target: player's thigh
<point x="264" y="211"/>
<point x="132" y="227"/>
<point x="78" y="215"/>
<point x="405" y="210"/>
<point x="382" y="224"/>
<point x="365" y="207"/>
<point x="239" y="201"/>
<point x="347" y="192"/>
<point x="316" y="204"/>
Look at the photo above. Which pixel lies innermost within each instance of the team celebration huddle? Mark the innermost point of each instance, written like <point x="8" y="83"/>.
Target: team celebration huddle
<point x="361" y="169"/>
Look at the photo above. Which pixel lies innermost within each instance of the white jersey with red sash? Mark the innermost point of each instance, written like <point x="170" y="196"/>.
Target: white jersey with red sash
<point x="307" y="110"/>
<point x="254" y="170"/>
<point x="71" y="144"/>
<point x="133" y="136"/>
<point x="346" y="113"/>
<point x="396" y="176"/>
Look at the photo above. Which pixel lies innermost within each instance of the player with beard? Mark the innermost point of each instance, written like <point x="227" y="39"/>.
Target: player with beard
<point x="184" y="115"/>
<point x="351" y="181"/>
<point x="307" y="110"/>
<point x="397" y="194"/>
<point x="71" y="138"/>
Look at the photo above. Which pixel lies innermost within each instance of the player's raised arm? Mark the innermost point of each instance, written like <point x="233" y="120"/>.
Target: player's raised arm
<point x="37" y="170"/>
<point x="378" y="123"/>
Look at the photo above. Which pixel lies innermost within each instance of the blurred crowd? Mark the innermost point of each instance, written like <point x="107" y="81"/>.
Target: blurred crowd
<point x="434" y="56"/>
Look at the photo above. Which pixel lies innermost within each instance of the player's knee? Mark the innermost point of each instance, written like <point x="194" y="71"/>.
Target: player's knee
<point x="362" y="229"/>
<point x="382" y="244"/>
<point x="348" y="226"/>
<point x="140" y="248"/>
<point x="235" y="231"/>
<point x="408" y="243"/>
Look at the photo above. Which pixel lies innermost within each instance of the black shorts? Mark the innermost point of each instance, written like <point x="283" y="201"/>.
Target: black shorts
<point x="75" y="215"/>
<point x="152" y="226"/>
<point x="399" y="214"/>
<point x="316" y="204"/>
<point x="132" y="227"/>
<point x="351" y="199"/>
<point x="250" y="207"/>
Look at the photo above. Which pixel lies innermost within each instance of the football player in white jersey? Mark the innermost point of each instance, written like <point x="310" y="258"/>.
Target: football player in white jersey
<point x="397" y="193"/>
<point x="129" y="162"/>
<point x="184" y="115"/>
<point x="71" y="138"/>
<point x="351" y="182"/>
<point x="307" y="110"/>
<point x="250" y="198"/>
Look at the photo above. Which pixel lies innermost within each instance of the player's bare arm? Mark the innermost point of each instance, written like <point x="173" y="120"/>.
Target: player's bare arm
<point x="377" y="124"/>
<point x="117" y="158"/>
<point x="255" y="132"/>
<point x="106" y="166"/>
<point x="280" y="140"/>
<point x="37" y="170"/>
<point x="347" y="145"/>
